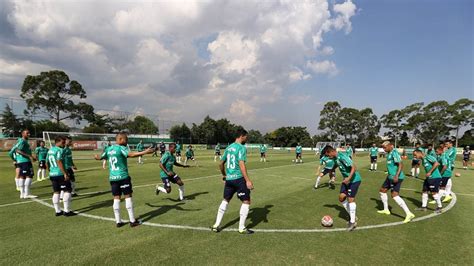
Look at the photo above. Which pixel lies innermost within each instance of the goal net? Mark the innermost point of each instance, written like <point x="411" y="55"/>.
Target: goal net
<point x="321" y="145"/>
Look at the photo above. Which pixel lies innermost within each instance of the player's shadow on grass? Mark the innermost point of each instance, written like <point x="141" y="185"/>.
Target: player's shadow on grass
<point x="416" y="202"/>
<point x="190" y="196"/>
<point x="95" y="206"/>
<point x="342" y="212"/>
<point x="256" y="216"/>
<point x="380" y="207"/>
<point x="162" y="210"/>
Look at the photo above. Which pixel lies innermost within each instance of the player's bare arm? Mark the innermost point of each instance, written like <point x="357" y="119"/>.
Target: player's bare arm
<point x="243" y="169"/>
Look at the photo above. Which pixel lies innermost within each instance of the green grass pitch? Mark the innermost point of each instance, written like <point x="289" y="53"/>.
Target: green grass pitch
<point x="283" y="198"/>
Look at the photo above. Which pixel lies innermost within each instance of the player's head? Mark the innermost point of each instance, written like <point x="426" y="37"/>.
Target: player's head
<point x="374" y="145"/>
<point x="418" y="154"/>
<point x="59" y="141"/>
<point x="417" y="144"/>
<point x="439" y="149"/>
<point x="241" y="135"/>
<point x="430" y="146"/>
<point x="141" y="141"/>
<point x="467" y="148"/>
<point x="387" y="146"/>
<point x="330" y="151"/>
<point x="448" y="143"/>
<point x="25" y="133"/>
<point x="68" y="140"/>
<point x="172" y="147"/>
<point x="41" y="143"/>
<point x="121" y="139"/>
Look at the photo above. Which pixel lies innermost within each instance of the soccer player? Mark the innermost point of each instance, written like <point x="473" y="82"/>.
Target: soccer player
<point x="24" y="159"/>
<point x="235" y="176"/>
<point x="155" y="154"/>
<point x="41" y="153"/>
<point x="59" y="177"/>
<point x="394" y="182"/>
<point x="350" y="184"/>
<point x="349" y="150"/>
<point x="217" y="152"/>
<point x="328" y="164"/>
<point x="12" y="155"/>
<point x="299" y="151"/>
<point x="415" y="163"/>
<point x="466" y="153"/>
<point x="431" y="151"/>
<point x="373" y="152"/>
<point x="451" y="154"/>
<point x="168" y="176"/>
<point x="190" y="155"/>
<point x="263" y="153"/>
<point x="178" y="151"/>
<point x="162" y="148"/>
<point x="432" y="180"/>
<point x="140" y="148"/>
<point x="446" y="172"/>
<point x="120" y="180"/>
<point x="69" y="166"/>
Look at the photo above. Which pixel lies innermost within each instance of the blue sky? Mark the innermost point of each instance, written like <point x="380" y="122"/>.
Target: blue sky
<point x="260" y="64"/>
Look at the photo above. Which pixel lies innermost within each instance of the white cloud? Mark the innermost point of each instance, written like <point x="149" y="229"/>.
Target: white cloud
<point x="323" y="67"/>
<point x="298" y="99"/>
<point x="345" y="11"/>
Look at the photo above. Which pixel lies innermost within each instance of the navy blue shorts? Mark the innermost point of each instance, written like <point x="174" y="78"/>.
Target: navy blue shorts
<point x="395" y="187"/>
<point x="238" y="186"/>
<point x="373" y="159"/>
<point x="466" y="159"/>
<point x="262" y="154"/>
<point x="70" y="173"/>
<point x="218" y="153"/>
<point x="26" y="169"/>
<point x="178" y="153"/>
<point x="58" y="183"/>
<point x="42" y="164"/>
<point x="298" y="155"/>
<point x="168" y="180"/>
<point x="444" y="181"/>
<point x="350" y="189"/>
<point x="327" y="171"/>
<point x="123" y="186"/>
<point x="431" y="185"/>
<point x="415" y="162"/>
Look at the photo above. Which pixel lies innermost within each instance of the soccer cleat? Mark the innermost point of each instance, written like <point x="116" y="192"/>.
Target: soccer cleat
<point x="74" y="194"/>
<point x="246" y="232"/>
<point x="421" y="209"/>
<point x="409" y="218"/>
<point x="216" y="229"/>
<point x="30" y="197"/>
<point x="351" y="226"/>
<point x="386" y="212"/>
<point x="136" y="223"/>
<point x="69" y="214"/>
<point x="157" y="191"/>
<point x="432" y="202"/>
<point x="447" y="198"/>
<point x="118" y="225"/>
<point x="438" y="210"/>
<point x="61" y="213"/>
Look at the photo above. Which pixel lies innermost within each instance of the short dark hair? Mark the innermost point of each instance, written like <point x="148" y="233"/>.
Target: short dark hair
<point x="240" y="132"/>
<point x="68" y="137"/>
<point x="172" y="145"/>
<point x="59" y="139"/>
<point x="328" y="149"/>
<point x="439" y="147"/>
<point x="448" y="141"/>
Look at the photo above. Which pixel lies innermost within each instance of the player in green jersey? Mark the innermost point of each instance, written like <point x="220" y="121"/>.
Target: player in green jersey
<point x="70" y="166"/>
<point x="394" y="182"/>
<point x="415" y="163"/>
<point x="234" y="174"/>
<point x="328" y="168"/>
<point x="445" y="169"/>
<point x="451" y="155"/>
<point x="41" y="153"/>
<point x="466" y="154"/>
<point x="373" y="153"/>
<point x="350" y="183"/>
<point x="217" y="151"/>
<point x="179" y="148"/>
<point x="349" y="150"/>
<point x="190" y="155"/>
<point x="120" y="180"/>
<point x="140" y="148"/>
<point x="167" y="174"/>
<point x="24" y="159"/>
<point x="299" y="153"/>
<point x="431" y="151"/>
<point x="59" y="177"/>
<point x="432" y="180"/>
<point x="263" y="153"/>
<point x="12" y="155"/>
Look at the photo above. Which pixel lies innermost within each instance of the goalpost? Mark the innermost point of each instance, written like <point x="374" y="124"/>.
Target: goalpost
<point x="321" y="145"/>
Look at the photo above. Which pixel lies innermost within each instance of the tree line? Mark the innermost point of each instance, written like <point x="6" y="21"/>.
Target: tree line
<point x="54" y="96"/>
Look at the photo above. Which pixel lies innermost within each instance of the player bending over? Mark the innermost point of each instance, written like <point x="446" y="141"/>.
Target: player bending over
<point x="350" y="183"/>
<point x="263" y="153"/>
<point x="24" y="159"/>
<point x="393" y="182"/>
<point x="41" y="153"/>
<point x="120" y="180"/>
<point x="234" y="174"/>
<point x="328" y="164"/>
<point x="59" y="177"/>
<point x="190" y="155"/>
<point x="432" y="180"/>
<point x="299" y="152"/>
<point x="466" y="154"/>
<point x="168" y="176"/>
<point x="446" y="173"/>
<point x="373" y="153"/>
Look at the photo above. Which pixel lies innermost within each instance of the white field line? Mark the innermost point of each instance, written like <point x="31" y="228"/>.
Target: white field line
<point x="15" y="203"/>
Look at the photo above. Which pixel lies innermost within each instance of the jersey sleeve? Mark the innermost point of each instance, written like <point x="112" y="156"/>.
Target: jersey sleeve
<point x="344" y="160"/>
<point x="224" y="156"/>
<point x="59" y="155"/>
<point x="444" y="161"/>
<point x="242" y="155"/>
<point x="103" y="156"/>
<point x="124" y="150"/>
<point x="431" y="159"/>
<point x="396" y="157"/>
<point x="164" y="159"/>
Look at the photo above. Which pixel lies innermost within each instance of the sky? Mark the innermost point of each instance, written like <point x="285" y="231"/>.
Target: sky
<point x="262" y="64"/>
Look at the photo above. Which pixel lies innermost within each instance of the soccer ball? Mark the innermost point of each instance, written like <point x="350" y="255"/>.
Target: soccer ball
<point x="327" y="221"/>
<point x="457" y="174"/>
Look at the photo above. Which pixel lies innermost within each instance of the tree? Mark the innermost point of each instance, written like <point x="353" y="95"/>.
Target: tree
<point x="394" y="122"/>
<point x="367" y="125"/>
<point x="467" y="139"/>
<point x="329" y="119"/>
<point x="141" y="125"/>
<point x="289" y="137"/>
<point x="255" y="137"/>
<point x="99" y="124"/>
<point x="348" y="123"/>
<point x="10" y="122"/>
<point x="55" y="95"/>
<point x="460" y="115"/>
<point x="433" y="122"/>
<point x="181" y="133"/>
